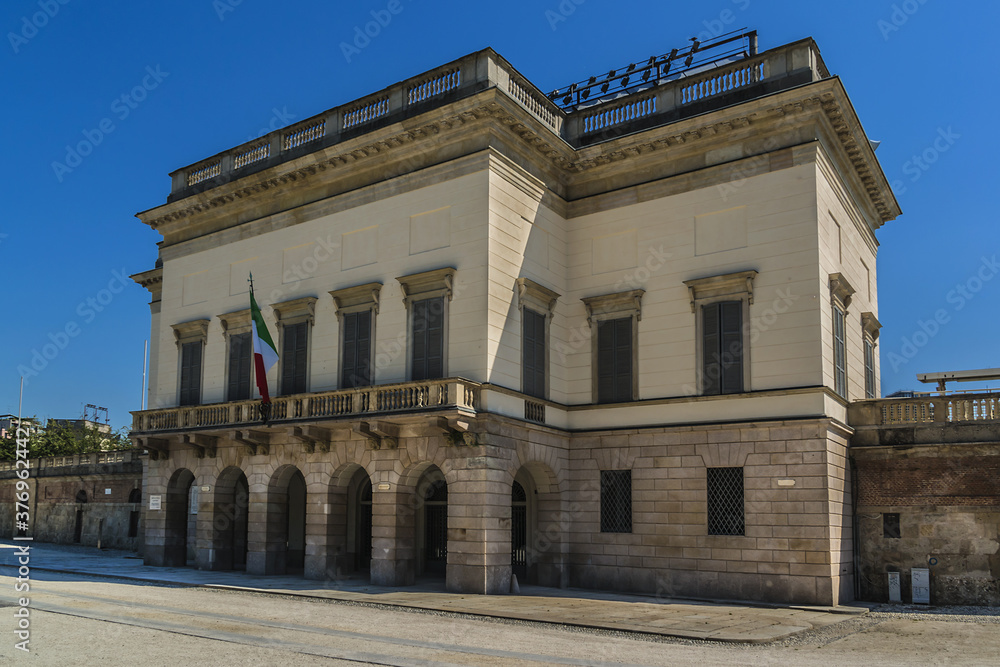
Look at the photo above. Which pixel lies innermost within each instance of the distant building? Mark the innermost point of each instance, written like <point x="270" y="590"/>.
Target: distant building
<point x="81" y="424"/>
<point x="8" y="425"/>
<point x="607" y="344"/>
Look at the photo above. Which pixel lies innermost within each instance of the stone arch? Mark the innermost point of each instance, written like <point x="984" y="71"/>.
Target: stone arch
<point x="280" y="546"/>
<point x="177" y="511"/>
<point x="544" y="527"/>
<point x="229" y="514"/>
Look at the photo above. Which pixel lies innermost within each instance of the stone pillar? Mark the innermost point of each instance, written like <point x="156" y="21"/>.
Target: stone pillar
<point x="393" y="537"/>
<point x="326" y="519"/>
<point x="479" y="529"/>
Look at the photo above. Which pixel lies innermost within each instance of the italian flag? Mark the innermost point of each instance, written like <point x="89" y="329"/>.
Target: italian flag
<point x="264" y="353"/>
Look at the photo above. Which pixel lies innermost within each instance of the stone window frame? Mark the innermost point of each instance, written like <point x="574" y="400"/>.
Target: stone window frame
<point x="737" y="286"/>
<point x="870" y="327"/>
<point x="234" y="323"/>
<point x="356" y="299"/>
<point x="290" y="312"/>
<point x="193" y="331"/>
<point x="541" y="300"/>
<point x="841" y="295"/>
<point x="615" y="306"/>
<point x="428" y="285"/>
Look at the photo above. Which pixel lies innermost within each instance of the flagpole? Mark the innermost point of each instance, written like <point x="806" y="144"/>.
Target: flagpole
<point x="253" y="372"/>
<point x="20" y="399"/>
<point x="142" y="389"/>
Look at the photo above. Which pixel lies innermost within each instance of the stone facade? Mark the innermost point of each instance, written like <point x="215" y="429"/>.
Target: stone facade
<point x="642" y="213"/>
<point x="87" y="499"/>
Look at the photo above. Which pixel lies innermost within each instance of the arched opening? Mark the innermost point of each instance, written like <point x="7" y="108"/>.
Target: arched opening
<point x="432" y="523"/>
<point x="178" y="508"/>
<point x="81" y="498"/>
<point x="135" y="498"/>
<point x="230" y="523"/>
<point x="360" y="526"/>
<point x="296" y="522"/>
<point x="519" y="531"/>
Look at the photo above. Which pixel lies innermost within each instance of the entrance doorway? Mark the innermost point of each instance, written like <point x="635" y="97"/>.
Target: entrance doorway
<point x="363" y="526"/>
<point x="519" y="532"/>
<point x="296" y="522"/>
<point x="432" y="554"/>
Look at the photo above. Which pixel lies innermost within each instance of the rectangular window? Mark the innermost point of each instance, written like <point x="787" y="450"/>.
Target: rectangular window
<point x="614" y="360"/>
<point x="240" y="358"/>
<point x="869" y="369"/>
<point x="191" y="373"/>
<point x="616" y="501"/>
<point x="428" y="339"/>
<point x="722" y="347"/>
<point x="839" y="352"/>
<point x="725" y="502"/>
<point x="533" y="353"/>
<point x="294" y="350"/>
<point x="890" y="526"/>
<point x="356" y="359"/>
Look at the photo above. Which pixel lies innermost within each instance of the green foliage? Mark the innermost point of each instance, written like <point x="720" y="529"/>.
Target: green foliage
<point x="66" y="440"/>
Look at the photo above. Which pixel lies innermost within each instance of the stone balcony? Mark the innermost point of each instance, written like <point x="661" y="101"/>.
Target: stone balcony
<point x="926" y="420"/>
<point x="656" y="101"/>
<point x="381" y="414"/>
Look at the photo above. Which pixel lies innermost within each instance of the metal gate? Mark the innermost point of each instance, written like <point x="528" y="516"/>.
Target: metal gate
<point x="519" y="532"/>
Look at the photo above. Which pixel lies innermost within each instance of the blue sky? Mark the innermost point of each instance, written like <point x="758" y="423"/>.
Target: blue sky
<point x="201" y="76"/>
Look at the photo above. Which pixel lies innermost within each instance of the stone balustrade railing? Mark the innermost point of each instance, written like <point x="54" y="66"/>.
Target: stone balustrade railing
<point x="93" y="458"/>
<point x="786" y="66"/>
<point x="361" y="402"/>
<point x="954" y="408"/>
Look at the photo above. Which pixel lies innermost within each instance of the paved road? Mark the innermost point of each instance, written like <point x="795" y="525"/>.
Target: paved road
<point x="83" y="620"/>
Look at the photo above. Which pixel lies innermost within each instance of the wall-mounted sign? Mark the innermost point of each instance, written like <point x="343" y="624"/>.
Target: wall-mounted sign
<point x="107" y="492"/>
<point x="894" y="590"/>
<point x="920" y="578"/>
<point x="154" y="502"/>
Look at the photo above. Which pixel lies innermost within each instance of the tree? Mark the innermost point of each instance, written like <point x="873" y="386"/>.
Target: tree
<point x="66" y="440"/>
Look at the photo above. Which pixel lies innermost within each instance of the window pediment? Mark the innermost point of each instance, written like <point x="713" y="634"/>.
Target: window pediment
<point x="235" y="322"/>
<point x="537" y="297"/>
<point x="612" y="306"/>
<point x="295" y="310"/>
<point x="737" y="284"/>
<point x="189" y="332"/>
<point x="426" y="285"/>
<point x="870" y="325"/>
<point x="841" y="289"/>
<point x="359" y="297"/>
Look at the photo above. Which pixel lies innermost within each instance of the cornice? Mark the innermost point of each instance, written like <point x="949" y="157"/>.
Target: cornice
<point x="505" y="112"/>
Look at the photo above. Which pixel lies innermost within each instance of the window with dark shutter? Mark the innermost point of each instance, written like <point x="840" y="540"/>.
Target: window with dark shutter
<point x="191" y="373"/>
<point x="293" y="358"/>
<point x="614" y="360"/>
<point x="533" y="353"/>
<point x="240" y="355"/>
<point x="839" y="353"/>
<point x="428" y="339"/>
<point x="356" y="360"/>
<point x="869" y="369"/>
<point x="722" y="347"/>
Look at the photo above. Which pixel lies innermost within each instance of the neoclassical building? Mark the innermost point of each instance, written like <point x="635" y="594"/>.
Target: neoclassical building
<point x="604" y="337"/>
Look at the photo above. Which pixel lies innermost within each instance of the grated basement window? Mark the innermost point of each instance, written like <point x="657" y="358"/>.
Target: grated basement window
<point x="890" y="527"/>
<point x="725" y="502"/>
<point x="616" y="501"/>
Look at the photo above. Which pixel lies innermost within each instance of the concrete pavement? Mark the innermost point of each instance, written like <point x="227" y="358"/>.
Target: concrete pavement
<point x="687" y="619"/>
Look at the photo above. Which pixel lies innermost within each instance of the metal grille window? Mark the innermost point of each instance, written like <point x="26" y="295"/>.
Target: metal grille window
<point x="869" y="369"/>
<point x="725" y="502"/>
<point x="616" y="501"/>
<point x="839" y="352"/>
